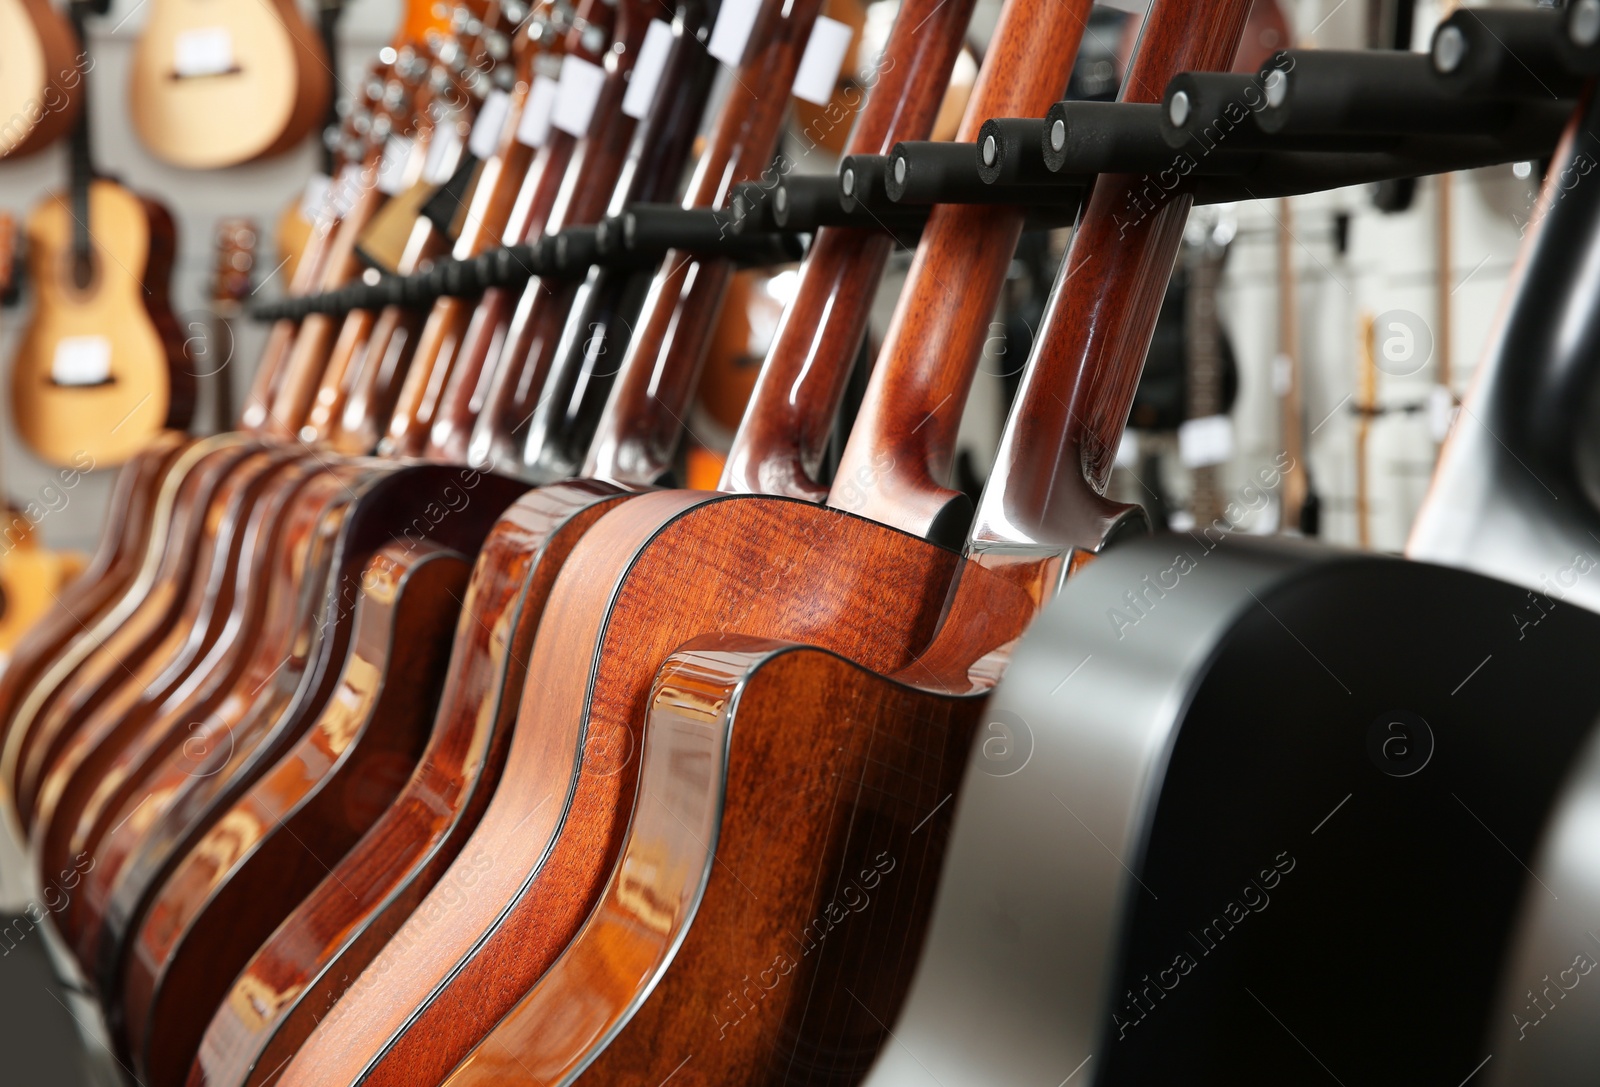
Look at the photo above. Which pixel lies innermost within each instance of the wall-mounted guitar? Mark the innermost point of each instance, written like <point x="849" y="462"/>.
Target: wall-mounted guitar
<point x="220" y="82"/>
<point x="96" y="372"/>
<point x="39" y="96"/>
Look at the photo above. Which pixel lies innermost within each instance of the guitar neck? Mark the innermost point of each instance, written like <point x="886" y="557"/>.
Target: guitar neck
<point x="82" y="173"/>
<point x="328" y="13"/>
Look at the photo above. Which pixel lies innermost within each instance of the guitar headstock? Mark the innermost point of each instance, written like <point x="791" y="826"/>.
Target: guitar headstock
<point x="236" y="260"/>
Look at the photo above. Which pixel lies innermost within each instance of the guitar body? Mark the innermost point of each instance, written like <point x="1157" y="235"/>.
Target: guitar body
<point x="40" y="78"/>
<point x="122" y="319"/>
<point x="271" y="89"/>
<point x="302" y="971"/>
<point x="275" y="844"/>
<point x="621" y="606"/>
<point x="32" y="579"/>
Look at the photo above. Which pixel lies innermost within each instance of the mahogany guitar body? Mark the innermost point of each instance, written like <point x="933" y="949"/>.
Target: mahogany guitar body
<point x="260" y="81"/>
<point x="118" y="331"/>
<point x="167" y="805"/>
<point x="453" y="508"/>
<point x="98" y="737"/>
<point x="301" y="972"/>
<point x="275" y="844"/>
<point x="122" y="543"/>
<point x="548" y="862"/>
<point x="101" y="657"/>
<point x="39" y="82"/>
<point x="198" y="713"/>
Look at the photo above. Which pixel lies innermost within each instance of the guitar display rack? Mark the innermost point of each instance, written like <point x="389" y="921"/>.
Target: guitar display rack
<point x="1308" y="121"/>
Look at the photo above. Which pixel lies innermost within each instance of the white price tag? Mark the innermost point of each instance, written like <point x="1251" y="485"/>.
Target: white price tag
<point x="392" y="167"/>
<point x="1205" y="441"/>
<point x="735" y="21"/>
<point x="533" y="128"/>
<point x="820" y="63"/>
<point x="485" y="138"/>
<point x="444" y="152"/>
<point x="204" y="51"/>
<point x="81" y="360"/>
<point x="581" y="82"/>
<point x="647" y="69"/>
<point x="315" y="198"/>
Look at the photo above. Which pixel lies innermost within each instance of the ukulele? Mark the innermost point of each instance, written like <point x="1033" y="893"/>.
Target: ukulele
<point x="39" y="92"/>
<point x="217" y="83"/>
<point x="97" y="370"/>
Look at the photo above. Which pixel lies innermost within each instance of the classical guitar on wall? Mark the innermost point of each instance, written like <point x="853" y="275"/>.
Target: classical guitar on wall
<point x="96" y="372"/>
<point x="39" y="99"/>
<point x="220" y="82"/>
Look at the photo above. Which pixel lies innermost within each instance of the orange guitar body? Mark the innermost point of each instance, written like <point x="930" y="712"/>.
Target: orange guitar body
<point x="117" y="332"/>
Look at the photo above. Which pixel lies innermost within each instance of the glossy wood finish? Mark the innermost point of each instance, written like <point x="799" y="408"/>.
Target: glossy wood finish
<point x="314" y="338"/>
<point x="562" y="341"/>
<point x="194" y="716"/>
<point x="116" y="560"/>
<point x="1046" y="491"/>
<point x="613" y="961"/>
<point x="97" y="737"/>
<point x="780" y="443"/>
<point x="638" y="431"/>
<point x="822" y="1000"/>
<point x="278" y="841"/>
<point x="125" y="305"/>
<point x="304" y="968"/>
<point x="512" y="169"/>
<point x="171" y="801"/>
<point x="79" y="678"/>
<point x="586" y="179"/>
<point x="452" y="508"/>
<point x="487" y="958"/>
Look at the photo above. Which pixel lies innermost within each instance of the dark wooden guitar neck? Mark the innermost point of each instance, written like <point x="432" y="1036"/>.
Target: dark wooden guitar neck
<point x="82" y="173"/>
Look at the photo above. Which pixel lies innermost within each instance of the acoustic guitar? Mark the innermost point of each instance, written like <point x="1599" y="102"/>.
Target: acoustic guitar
<point x="220" y="82"/>
<point x="97" y="371"/>
<point x="436" y="1032"/>
<point x="901" y="742"/>
<point x="39" y="83"/>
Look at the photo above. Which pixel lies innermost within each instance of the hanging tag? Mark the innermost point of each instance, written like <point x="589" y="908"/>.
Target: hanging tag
<point x="735" y="21"/>
<point x="581" y="82"/>
<point x="533" y="128"/>
<point x="392" y="167"/>
<point x="485" y="138"/>
<point x="641" y="93"/>
<point x="819" y="68"/>
<point x="202" y="52"/>
<point x="444" y="151"/>
<point x="1205" y="441"/>
<point x="315" y="197"/>
<point x="81" y="360"/>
